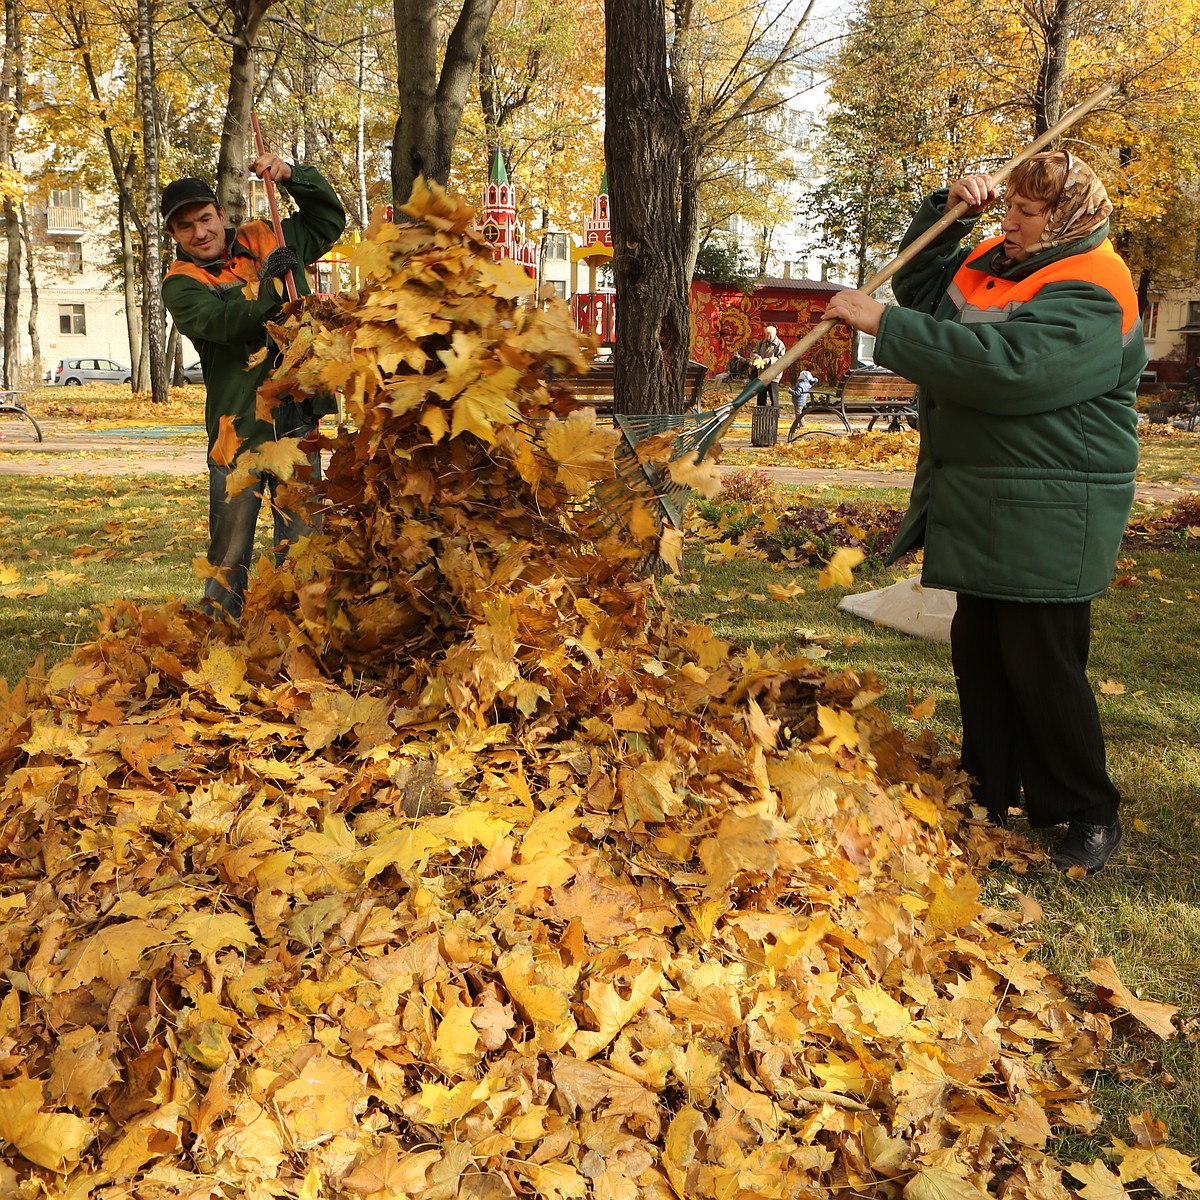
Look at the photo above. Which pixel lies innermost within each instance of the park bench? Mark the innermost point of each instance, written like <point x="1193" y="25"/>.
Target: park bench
<point x="597" y="384"/>
<point x="864" y="391"/>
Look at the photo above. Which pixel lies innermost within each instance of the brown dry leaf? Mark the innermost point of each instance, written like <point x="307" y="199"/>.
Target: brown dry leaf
<point x="1111" y="989"/>
<point x="226" y="447"/>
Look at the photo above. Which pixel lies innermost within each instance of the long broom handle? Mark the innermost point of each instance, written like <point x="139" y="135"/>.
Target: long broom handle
<point x="289" y="281"/>
<point x="947" y="219"/>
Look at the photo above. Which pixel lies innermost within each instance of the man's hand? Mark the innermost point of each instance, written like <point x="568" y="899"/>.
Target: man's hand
<point x="977" y="190"/>
<point x="857" y="309"/>
<point x="278" y="263"/>
<point x="271" y="165"/>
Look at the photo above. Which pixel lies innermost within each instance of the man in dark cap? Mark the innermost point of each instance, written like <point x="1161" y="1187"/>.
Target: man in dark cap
<point x="221" y="291"/>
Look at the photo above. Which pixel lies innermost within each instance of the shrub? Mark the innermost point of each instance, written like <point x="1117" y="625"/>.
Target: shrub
<point x="815" y="533"/>
<point x="748" y="487"/>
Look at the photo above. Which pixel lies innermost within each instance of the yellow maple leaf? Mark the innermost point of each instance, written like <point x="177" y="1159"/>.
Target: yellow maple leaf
<point x="279" y="458"/>
<point x="51" y="1140"/>
<point x="954" y="908"/>
<point x="556" y="1181"/>
<point x="210" y="932"/>
<point x="505" y="279"/>
<point x="9" y="575"/>
<point x="1166" y="1169"/>
<point x="486" y="404"/>
<point x="582" y="449"/>
<point x="462" y="362"/>
<point x="839" y="726"/>
<point x="1099" y="1182"/>
<point x="222" y="672"/>
<point x="935" y="1183"/>
<point x="456" y="1045"/>
<point x="701" y="476"/>
<point x="543" y="993"/>
<point x="839" y="571"/>
<point x="111" y="954"/>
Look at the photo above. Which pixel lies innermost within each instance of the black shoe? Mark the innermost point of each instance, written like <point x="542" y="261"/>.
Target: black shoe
<point x="1088" y="846"/>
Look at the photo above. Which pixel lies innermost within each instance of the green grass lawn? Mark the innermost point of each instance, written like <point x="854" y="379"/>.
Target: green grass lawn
<point x="72" y="545"/>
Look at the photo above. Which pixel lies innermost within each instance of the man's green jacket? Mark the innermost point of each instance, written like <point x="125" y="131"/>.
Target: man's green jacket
<point x="209" y="303"/>
<point x="1025" y="475"/>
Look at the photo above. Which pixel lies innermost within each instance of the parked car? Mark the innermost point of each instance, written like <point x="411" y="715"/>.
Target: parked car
<point x="71" y="372"/>
<point x="194" y="373"/>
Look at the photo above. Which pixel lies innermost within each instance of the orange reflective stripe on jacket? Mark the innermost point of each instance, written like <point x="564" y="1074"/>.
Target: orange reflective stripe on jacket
<point x="255" y="236"/>
<point x="983" y="298"/>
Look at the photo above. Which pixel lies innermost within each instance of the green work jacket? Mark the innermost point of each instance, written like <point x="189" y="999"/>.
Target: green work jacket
<point x="1025" y="475"/>
<point x="209" y="304"/>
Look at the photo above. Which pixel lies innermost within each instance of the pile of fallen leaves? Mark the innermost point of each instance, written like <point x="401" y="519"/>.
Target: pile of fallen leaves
<point x="462" y="870"/>
<point x="1177" y="525"/>
<point x="113" y="403"/>
<point x="861" y="450"/>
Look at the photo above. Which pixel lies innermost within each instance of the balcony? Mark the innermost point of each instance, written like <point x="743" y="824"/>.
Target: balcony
<point x="63" y="220"/>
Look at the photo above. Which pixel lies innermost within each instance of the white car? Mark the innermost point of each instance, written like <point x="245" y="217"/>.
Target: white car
<point x="72" y="372"/>
<point x="194" y="373"/>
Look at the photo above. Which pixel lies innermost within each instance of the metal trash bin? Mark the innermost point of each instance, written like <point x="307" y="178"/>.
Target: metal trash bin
<point x="764" y="425"/>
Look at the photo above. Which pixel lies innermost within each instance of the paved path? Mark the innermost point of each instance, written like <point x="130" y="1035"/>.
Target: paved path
<point x="71" y="448"/>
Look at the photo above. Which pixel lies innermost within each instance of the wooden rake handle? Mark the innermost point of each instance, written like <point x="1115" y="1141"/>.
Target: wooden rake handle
<point x="289" y="280"/>
<point x="947" y="219"/>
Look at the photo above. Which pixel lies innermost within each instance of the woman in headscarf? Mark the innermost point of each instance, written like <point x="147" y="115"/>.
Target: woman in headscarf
<point x="1028" y="350"/>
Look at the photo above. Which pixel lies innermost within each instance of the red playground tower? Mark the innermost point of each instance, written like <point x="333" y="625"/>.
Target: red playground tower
<point x="498" y="220"/>
<point x="594" y="310"/>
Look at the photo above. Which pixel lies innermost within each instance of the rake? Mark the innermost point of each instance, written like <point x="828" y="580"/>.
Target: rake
<point x="651" y="481"/>
<point x="289" y="279"/>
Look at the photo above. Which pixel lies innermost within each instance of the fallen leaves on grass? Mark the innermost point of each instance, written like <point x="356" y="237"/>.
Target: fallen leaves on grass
<point x="857" y="451"/>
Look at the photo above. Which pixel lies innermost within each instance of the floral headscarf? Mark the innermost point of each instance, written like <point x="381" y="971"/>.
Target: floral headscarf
<point x="1081" y="208"/>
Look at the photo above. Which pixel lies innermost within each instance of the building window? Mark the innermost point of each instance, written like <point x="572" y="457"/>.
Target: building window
<point x="1193" y="312"/>
<point x="68" y="197"/>
<point x="259" y="208"/>
<point x="70" y="319"/>
<point x="69" y="257"/>
<point x="1150" y="321"/>
<point x="559" y="286"/>
<point x="556" y="246"/>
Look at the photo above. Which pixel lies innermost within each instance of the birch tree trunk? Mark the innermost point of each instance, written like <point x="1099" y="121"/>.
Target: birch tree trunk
<point x="10" y="107"/>
<point x="35" y="341"/>
<point x="152" y="306"/>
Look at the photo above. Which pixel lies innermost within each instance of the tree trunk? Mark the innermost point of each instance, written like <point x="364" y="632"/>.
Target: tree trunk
<point x="431" y="104"/>
<point x="644" y="134"/>
<point x="1057" y="24"/>
<point x="35" y="341"/>
<point x="133" y="315"/>
<point x="360" y="145"/>
<point x="9" y="115"/>
<point x="152" y="256"/>
<point x="74" y="23"/>
<point x="246" y="18"/>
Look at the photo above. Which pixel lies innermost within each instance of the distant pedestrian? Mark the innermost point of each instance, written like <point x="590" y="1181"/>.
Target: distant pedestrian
<point x="769" y="349"/>
<point x="801" y="388"/>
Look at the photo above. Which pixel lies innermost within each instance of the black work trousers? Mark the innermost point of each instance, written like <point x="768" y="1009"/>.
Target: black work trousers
<point x="1029" y="715"/>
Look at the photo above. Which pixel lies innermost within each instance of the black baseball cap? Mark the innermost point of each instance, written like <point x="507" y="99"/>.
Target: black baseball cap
<point x="185" y="191"/>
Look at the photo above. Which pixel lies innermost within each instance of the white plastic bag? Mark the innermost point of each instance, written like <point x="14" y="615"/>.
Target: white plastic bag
<point x="907" y="606"/>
